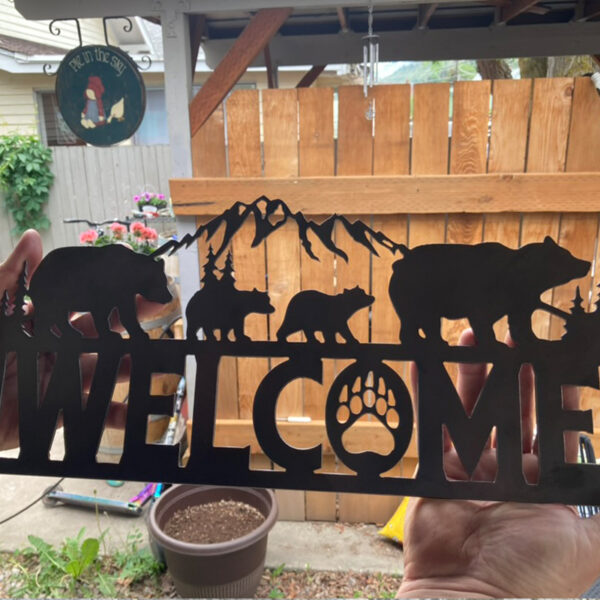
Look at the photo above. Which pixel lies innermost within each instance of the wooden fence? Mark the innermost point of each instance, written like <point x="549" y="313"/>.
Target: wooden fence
<point x="469" y="133"/>
<point x="96" y="184"/>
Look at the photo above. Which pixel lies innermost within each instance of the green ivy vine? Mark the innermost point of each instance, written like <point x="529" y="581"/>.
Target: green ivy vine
<point x="25" y="179"/>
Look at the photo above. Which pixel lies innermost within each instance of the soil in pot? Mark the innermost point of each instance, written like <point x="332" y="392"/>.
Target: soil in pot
<point x="213" y="522"/>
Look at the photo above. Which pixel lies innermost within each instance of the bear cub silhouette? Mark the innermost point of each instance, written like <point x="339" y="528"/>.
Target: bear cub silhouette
<point x="224" y="309"/>
<point x="310" y="311"/>
<point x="95" y="280"/>
<point x="482" y="282"/>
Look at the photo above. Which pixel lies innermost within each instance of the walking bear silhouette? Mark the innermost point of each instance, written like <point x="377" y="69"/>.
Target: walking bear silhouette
<point x="310" y="311"/>
<point x="224" y="308"/>
<point x="95" y="280"/>
<point x="482" y="282"/>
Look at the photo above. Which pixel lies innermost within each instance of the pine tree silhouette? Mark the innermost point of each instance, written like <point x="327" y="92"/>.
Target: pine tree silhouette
<point x="209" y="277"/>
<point x="576" y="324"/>
<point x="577" y="308"/>
<point x="227" y="272"/>
<point x="18" y="310"/>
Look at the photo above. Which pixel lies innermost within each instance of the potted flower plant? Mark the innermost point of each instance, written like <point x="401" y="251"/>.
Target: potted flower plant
<point x="140" y="238"/>
<point x="150" y="203"/>
<point x="212" y="568"/>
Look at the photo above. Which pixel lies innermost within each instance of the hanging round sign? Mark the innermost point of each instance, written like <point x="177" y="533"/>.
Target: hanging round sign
<point x="101" y="94"/>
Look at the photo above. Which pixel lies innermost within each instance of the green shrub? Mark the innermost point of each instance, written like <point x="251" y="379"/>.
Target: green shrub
<point x="25" y="179"/>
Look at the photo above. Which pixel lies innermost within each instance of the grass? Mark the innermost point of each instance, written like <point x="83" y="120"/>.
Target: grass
<point x="75" y="569"/>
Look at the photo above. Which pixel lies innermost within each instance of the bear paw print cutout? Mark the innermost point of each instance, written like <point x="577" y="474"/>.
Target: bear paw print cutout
<point x="366" y="388"/>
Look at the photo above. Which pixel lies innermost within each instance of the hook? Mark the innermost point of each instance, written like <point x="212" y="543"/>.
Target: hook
<point x="126" y="28"/>
<point x="47" y="68"/>
<point x="56" y="31"/>
<point x="147" y="61"/>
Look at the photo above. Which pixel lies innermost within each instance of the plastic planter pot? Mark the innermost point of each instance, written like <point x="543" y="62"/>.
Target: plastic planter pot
<point x="225" y="570"/>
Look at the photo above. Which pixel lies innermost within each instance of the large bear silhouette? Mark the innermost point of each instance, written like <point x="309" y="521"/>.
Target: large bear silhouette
<point x="310" y="311"/>
<point x="95" y="280"/>
<point x="482" y="282"/>
<point x="222" y="307"/>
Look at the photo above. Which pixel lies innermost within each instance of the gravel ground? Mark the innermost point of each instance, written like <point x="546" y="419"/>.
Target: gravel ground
<point x="327" y="584"/>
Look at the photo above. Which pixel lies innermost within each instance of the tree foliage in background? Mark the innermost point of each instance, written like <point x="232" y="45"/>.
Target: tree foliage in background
<point x="25" y="180"/>
<point x="552" y="66"/>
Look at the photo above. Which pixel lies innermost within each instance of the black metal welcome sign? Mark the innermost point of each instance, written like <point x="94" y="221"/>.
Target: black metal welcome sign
<point x="426" y="284"/>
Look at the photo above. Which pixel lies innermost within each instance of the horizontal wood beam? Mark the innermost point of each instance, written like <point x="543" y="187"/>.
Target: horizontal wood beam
<point x="491" y="193"/>
<point x="238" y="433"/>
<point x="515" y="8"/>
<point x="255" y="37"/>
<point x="555" y="39"/>
<point x="311" y="76"/>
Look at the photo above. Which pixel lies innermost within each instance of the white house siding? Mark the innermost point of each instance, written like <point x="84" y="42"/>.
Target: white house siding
<point x="14" y="25"/>
<point x="18" y="106"/>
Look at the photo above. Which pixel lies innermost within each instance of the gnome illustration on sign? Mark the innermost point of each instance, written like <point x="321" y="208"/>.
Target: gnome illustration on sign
<point x="93" y="112"/>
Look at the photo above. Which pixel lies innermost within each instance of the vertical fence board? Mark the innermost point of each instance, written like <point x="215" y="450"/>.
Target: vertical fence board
<point x="391" y="144"/>
<point x="578" y="231"/>
<point x="280" y="130"/>
<point x="468" y="154"/>
<point x="546" y="152"/>
<point x="316" y="157"/>
<point x="208" y="160"/>
<point x="510" y="120"/>
<point x="355" y="155"/>
<point x="429" y="155"/>
<point x="508" y="144"/>
<point x="243" y="132"/>
<point x="549" y="130"/>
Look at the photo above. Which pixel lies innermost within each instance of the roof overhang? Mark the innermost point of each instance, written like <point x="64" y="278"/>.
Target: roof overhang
<point x="63" y="9"/>
<point x="331" y="32"/>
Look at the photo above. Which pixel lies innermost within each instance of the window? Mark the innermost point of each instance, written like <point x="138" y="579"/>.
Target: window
<point x="153" y="129"/>
<point x="54" y="129"/>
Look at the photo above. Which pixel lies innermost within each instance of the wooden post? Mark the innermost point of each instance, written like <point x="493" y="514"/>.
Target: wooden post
<point x="197" y="25"/>
<point x="178" y="90"/>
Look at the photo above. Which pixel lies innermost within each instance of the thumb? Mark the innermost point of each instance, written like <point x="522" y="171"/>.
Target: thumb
<point x="28" y="250"/>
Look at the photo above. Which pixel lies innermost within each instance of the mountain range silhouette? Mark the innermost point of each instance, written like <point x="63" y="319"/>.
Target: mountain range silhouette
<point x="269" y="216"/>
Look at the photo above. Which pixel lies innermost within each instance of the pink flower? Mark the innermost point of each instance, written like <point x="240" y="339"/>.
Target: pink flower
<point x="161" y="196"/>
<point x="149" y="234"/>
<point x="88" y="237"/>
<point x="148" y="196"/>
<point x="118" y="230"/>
<point x="136" y="198"/>
<point x="137" y="229"/>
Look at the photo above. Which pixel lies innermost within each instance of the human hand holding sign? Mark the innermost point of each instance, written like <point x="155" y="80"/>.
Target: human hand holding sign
<point x="29" y="250"/>
<point x="473" y="549"/>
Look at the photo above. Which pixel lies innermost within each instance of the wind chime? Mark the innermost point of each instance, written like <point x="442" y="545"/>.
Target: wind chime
<point x="370" y="63"/>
